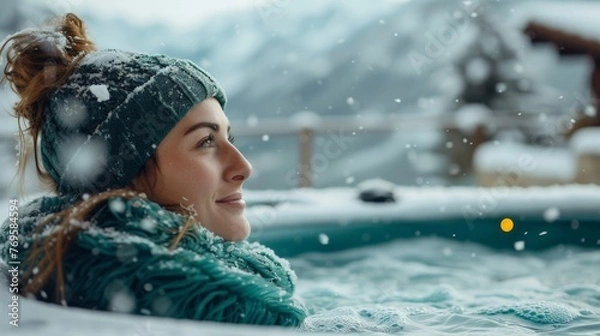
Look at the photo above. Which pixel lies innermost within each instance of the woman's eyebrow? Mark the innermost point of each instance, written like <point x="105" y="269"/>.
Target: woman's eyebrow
<point x="205" y="124"/>
<point x="202" y="124"/>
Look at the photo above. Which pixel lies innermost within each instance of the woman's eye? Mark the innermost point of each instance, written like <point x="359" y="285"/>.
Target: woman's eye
<point x="207" y="142"/>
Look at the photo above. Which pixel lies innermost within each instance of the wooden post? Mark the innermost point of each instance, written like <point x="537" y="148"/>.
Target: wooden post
<point x="595" y="86"/>
<point x="305" y="140"/>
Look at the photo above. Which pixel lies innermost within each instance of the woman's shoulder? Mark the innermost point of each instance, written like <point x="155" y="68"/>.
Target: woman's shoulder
<point x="129" y="224"/>
<point x="33" y="211"/>
<point x="136" y="216"/>
<point x="44" y="205"/>
<point x="137" y="210"/>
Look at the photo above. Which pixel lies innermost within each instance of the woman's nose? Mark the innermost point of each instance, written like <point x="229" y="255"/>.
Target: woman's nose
<point x="240" y="168"/>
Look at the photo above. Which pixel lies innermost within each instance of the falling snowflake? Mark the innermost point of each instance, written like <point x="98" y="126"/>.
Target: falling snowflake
<point x="551" y="214"/>
<point x="323" y="239"/>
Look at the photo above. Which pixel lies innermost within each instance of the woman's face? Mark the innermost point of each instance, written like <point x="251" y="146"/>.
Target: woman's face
<point x="201" y="169"/>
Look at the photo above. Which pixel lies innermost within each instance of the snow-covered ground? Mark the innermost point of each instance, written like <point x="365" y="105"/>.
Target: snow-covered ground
<point x="551" y="163"/>
<point x="37" y="318"/>
<point x="532" y="164"/>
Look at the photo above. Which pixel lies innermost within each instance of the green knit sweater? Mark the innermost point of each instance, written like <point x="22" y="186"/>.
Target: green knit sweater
<point x="121" y="262"/>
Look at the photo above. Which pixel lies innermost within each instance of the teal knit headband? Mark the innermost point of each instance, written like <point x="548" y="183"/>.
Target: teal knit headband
<point x="106" y="121"/>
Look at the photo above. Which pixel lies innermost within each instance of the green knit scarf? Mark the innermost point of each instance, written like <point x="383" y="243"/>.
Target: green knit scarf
<point x="122" y="262"/>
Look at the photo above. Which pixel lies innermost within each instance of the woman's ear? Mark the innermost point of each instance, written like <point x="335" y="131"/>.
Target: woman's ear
<point x="139" y="184"/>
<point x="146" y="179"/>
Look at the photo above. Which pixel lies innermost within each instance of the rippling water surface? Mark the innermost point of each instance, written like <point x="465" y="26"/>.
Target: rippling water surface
<point x="432" y="286"/>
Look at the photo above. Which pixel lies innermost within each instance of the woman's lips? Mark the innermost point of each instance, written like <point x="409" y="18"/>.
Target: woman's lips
<point x="233" y="200"/>
<point x="236" y="204"/>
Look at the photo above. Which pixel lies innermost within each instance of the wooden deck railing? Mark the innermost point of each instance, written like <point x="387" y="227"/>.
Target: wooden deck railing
<point x="306" y="125"/>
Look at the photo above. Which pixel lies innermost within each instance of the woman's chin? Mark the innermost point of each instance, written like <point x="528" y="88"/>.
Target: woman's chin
<point x="242" y="233"/>
<point x="237" y="230"/>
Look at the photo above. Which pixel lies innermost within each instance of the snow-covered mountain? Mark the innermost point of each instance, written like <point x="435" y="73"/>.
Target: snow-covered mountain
<point x="335" y="58"/>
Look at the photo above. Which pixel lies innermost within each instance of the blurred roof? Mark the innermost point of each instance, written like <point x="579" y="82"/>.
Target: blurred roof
<point x="574" y="26"/>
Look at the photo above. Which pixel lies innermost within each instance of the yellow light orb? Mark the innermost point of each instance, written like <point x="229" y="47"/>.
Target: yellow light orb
<point x="507" y="225"/>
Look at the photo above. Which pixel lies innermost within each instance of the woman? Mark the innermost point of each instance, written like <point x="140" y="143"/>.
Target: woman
<point x="148" y="216"/>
